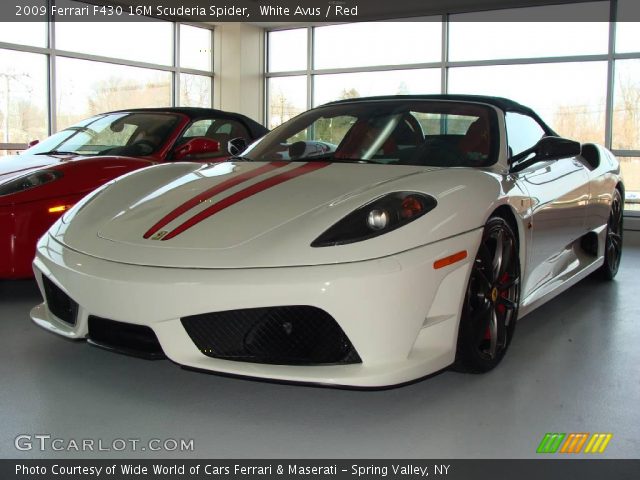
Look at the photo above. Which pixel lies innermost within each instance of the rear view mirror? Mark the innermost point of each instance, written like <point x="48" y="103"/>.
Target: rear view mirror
<point x="547" y="148"/>
<point x="553" y="148"/>
<point x="196" y="146"/>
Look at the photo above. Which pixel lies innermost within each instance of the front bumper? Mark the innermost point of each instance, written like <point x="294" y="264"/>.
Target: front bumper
<point x="400" y="314"/>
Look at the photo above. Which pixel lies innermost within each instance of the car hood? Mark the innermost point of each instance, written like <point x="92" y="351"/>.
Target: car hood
<point x="81" y="174"/>
<point x="14" y="166"/>
<point x="238" y="215"/>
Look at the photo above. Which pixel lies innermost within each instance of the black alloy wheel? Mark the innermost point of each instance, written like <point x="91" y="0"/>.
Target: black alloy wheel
<point x="490" y="308"/>
<point x="613" y="241"/>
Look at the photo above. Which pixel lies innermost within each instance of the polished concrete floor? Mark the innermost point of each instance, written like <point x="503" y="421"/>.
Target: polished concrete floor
<point x="574" y="366"/>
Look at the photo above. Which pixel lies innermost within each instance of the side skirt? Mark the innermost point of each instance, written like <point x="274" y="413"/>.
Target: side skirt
<point x="555" y="288"/>
<point x="581" y="263"/>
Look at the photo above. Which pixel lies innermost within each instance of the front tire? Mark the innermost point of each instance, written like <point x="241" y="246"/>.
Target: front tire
<point x="491" y="301"/>
<point x="613" y="242"/>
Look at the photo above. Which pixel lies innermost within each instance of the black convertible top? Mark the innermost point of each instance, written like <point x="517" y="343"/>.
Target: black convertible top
<point x="504" y="104"/>
<point x="194" y="113"/>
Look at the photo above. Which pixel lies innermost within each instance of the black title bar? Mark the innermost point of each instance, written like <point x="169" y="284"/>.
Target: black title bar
<point x="302" y="11"/>
<point x="548" y="469"/>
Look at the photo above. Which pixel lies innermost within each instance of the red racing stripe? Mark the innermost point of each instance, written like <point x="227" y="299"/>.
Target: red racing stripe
<point x="246" y="193"/>
<point x="211" y="192"/>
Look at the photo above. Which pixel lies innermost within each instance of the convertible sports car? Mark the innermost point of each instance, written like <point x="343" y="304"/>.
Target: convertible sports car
<point x="364" y="243"/>
<point x="37" y="187"/>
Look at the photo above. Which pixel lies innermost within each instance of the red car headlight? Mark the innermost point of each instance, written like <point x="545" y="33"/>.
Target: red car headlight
<point x="29" y="181"/>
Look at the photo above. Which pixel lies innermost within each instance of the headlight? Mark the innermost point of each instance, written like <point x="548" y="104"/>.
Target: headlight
<point x="30" y="181"/>
<point x="378" y="217"/>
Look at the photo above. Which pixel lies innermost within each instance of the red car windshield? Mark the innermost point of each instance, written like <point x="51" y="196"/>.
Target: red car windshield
<point x="133" y="134"/>
<point x="394" y="132"/>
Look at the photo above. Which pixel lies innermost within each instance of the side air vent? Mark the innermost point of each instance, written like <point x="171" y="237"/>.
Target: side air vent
<point x="59" y="303"/>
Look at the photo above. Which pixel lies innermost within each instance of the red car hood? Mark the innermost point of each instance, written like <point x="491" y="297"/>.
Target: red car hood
<point x="17" y="165"/>
<point x="81" y="173"/>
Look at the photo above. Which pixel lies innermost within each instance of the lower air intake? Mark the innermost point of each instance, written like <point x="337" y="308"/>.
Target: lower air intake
<point x="127" y="338"/>
<point x="288" y="335"/>
<point x="59" y="303"/>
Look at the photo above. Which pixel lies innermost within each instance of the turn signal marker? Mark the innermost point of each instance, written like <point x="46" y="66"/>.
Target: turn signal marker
<point x="450" y="260"/>
<point x="58" y="208"/>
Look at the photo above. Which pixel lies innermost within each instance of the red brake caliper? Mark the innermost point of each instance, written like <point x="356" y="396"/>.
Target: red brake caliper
<point x="503" y="293"/>
<point x="500" y="308"/>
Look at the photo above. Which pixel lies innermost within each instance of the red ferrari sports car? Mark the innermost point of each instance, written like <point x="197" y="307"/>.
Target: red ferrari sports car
<point x="39" y="185"/>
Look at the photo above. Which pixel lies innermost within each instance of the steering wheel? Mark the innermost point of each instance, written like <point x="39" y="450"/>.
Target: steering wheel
<point x="145" y="147"/>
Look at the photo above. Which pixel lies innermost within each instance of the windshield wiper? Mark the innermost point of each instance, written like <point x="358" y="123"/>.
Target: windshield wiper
<point x="332" y="158"/>
<point x="320" y="158"/>
<point x="57" y="152"/>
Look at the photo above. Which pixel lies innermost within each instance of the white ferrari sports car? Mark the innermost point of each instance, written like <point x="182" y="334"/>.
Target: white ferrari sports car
<point x="365" y="243"/>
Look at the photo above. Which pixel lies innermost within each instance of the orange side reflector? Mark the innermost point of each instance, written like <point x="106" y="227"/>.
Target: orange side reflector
<point x="451" y="259"/>
<point x="58" y="208"/>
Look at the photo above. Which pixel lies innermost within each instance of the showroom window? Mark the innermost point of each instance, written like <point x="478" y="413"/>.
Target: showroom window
<point x="53" y="75"/>
<point x="312" y="66"/>
<point x="568" y="103"/>
<point x="153" y="40"/>
<point x="23" y="101"/>
<point x="85" y="88"/>
<point x="385" y="43"/>
<point x="287" y="98"/>
<point x="361" y="84"/>
<point x="588" y="90"/>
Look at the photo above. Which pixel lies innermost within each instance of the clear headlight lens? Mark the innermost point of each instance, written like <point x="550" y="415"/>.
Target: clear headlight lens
<point x="378" y="217"/>
<point x="29" y="181"/>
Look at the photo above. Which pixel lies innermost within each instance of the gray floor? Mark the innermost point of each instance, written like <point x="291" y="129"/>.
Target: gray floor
<point x="573" y="367"/>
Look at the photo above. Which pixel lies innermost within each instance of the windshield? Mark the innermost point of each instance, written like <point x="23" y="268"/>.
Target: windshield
<point x="133" y="134"/>
<point x="399" y="132"/>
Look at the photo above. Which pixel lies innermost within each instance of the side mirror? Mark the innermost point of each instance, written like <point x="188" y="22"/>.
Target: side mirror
<point x="547" y="148"/>
<point x="553" y="148"/>
<point x="33" y="143"/>
<point x="196" y="146"/>
<point x="237" y="145"/>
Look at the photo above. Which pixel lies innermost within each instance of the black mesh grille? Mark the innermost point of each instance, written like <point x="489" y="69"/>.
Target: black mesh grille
<point x="59" y="303"/>
<point x="125" y="338"/>
<point x="289" y="335"/>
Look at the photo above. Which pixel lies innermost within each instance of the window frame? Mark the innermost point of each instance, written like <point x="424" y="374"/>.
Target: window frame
<point x="52" y="53"/>
<point x="444" y="64"/>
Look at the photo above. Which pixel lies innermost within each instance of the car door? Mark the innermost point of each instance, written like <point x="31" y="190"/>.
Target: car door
<point x="559" y="192"/>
